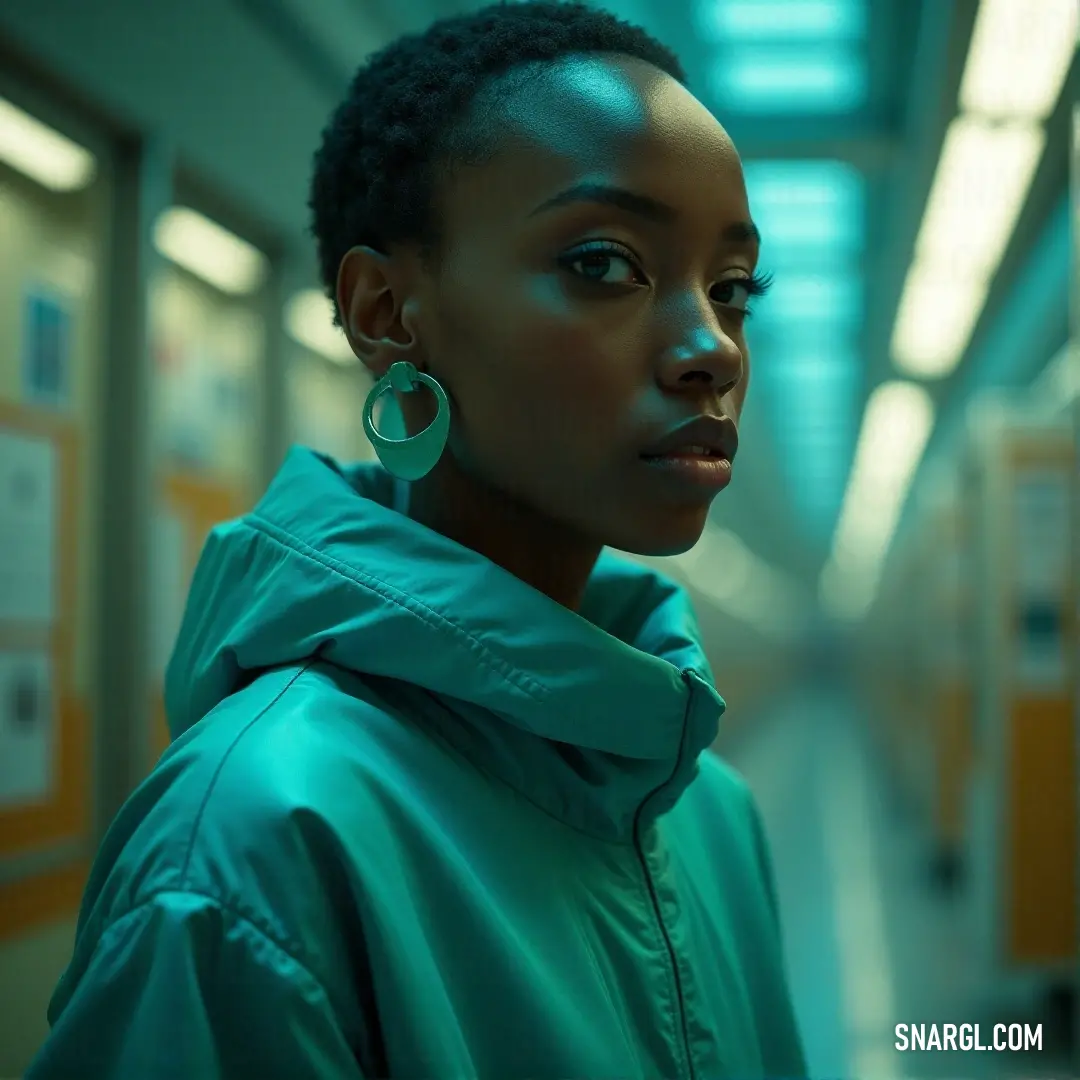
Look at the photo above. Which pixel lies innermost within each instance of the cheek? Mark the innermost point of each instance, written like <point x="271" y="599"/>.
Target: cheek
<point x="534" y="371"/>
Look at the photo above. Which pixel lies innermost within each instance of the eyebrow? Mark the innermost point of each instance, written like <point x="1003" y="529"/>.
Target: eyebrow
<point x="643" y="206"/>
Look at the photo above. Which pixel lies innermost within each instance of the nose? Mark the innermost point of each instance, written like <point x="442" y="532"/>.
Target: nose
<point x="705" y="359"/>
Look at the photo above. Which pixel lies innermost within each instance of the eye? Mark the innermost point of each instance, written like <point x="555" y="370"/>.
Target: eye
<point x="605" y="263"/>
<point x="733" y="293"/>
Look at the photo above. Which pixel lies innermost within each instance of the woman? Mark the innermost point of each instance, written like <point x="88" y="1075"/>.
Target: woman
<point x="439" y="802"/>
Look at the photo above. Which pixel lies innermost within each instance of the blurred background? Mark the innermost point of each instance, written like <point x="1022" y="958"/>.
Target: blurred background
<point x="887" y="589"/>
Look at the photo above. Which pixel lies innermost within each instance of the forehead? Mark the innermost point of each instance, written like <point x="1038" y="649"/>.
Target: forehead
<point x="607" y="117"/>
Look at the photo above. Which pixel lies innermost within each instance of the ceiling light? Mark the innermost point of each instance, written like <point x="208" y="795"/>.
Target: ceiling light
<point x="41" y="153"/>
<point x="817" y="205"/>
<point x="937" y="315"/>
<point x="799" y="80"/>
<point x="785" y="232"/>
<point x="1019" y="57"/>
<point x="783" y="19"/>
<point x="807" y="183"/>
<point x="895" y="424"/>
<point x="895" y="429"/>
<point x="981" y="184"/>
<point x="205" y="249"/>
<point x="309" y="319"/>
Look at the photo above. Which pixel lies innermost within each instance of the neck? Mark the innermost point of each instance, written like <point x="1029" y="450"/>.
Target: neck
<point x="552" y="559"/>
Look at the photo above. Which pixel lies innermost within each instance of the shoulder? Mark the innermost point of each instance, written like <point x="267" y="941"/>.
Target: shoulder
<point x="286" y="744"/>
<point x="266" y="807"/>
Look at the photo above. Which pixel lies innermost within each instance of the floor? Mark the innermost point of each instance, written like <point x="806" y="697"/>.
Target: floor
<point x="870" y="941"/>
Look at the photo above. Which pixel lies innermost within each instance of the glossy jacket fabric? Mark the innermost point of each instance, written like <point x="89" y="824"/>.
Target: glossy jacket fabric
<point x="419" y="820"/>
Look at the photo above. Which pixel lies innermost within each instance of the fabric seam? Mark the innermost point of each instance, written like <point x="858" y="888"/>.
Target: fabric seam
<point x="231" y="909"/>
<point x="364" y="580"/>
<point x="221" y="765"/>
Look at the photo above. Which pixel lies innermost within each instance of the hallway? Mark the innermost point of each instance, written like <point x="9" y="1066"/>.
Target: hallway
<point x="870" y="942"/>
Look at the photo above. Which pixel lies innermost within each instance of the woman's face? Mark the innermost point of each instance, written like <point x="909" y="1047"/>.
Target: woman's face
<point x="592" y="300"/>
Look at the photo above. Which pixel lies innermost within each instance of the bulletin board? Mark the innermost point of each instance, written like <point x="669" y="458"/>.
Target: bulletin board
<point x="45" y="774"/>
<point x="196" y="503"/>
<point x="1041" y="842"/>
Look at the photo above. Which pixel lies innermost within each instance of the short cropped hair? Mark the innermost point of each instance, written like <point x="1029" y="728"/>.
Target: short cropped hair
<point x="414" y="111"/>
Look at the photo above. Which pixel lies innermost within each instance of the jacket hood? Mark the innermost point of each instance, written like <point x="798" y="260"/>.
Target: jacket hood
<point x="593" y="714"/>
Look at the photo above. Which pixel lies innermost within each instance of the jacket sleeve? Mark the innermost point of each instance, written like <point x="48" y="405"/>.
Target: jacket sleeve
<point x="182" y="989"/>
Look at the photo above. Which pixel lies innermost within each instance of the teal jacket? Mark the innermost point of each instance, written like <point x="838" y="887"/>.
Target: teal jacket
<point x="419" y="820"/>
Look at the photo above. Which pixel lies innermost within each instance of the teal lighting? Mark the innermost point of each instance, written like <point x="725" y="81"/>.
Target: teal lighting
<point x="783" y="20"/>
<point x="794" y="81"/>
<point x="805" y="335"/>
<point x="816" y="207"/>
<point x="811" y="394"/>
<point x="830" y="186"/>
<point x="832" y="299"/>
<point x="795" y="370"/>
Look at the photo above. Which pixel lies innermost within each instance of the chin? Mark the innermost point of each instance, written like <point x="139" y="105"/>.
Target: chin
<point x="673" y="533"/>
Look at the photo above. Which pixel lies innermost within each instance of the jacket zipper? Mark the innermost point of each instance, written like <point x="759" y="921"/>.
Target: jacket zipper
<point x="680" y="1000"/>
<point x="681" y="1003"/>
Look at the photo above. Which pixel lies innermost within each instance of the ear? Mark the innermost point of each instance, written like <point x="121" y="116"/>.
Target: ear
<point x="376" y="315"/>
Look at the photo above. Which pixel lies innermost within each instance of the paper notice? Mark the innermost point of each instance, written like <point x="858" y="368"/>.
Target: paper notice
<point x="26" y="728"/>
<point x="28" y="510"/>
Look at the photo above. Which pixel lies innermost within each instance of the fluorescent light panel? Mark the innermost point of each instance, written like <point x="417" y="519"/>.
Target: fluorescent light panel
<point x="896" y="426"/>
<point x="935" y="320"/>
<point x="205" y="249"/>
<point x="812" y="363"/>
<point x="802" y="80"/>
<point x="756" y="20"/>
<point x="309" y="319"/>
<point x="786" y="233"/>
<point x="813" y="207"/>
<point x="42" y="154"/>
<point x="897" y="418"/>
<point x="979" y="188"/>
<point x="1019" y="57"/>
<point x="805" y="184"/>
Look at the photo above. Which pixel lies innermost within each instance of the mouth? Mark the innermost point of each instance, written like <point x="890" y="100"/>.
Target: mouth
<point x="698" y="452"/>
<point x="702" y="438"/>
<point x="690" y="453"/>
<point x="693" y="472"/>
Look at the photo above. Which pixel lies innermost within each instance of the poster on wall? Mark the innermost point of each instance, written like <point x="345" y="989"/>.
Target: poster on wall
<point x="46" y="359"/>
<point x="26" y="728"/>
<point x="189" y="403"/>
<point x="1041" y="508"/>
<point x="28" y="507"/>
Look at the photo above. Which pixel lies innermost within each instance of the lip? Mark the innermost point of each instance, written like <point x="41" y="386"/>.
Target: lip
<point x="693" y="474"/>
<point x="717" y="434"/>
